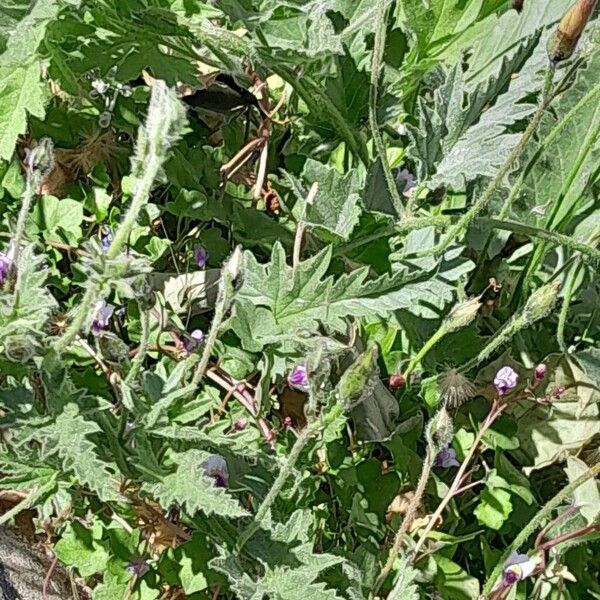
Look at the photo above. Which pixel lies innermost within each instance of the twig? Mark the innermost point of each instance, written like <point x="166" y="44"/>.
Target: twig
<point x="46" y="582"/>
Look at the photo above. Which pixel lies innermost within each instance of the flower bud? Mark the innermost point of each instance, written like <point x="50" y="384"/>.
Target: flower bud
<point x="40" y="160"/>
<point x="397" y="381"/>
<point x="440" y="430"/>
<point x="540" y="303"/>
<point x="562" y="42"/>
<point x="462" y="315"/>
<point x="540" y="372"/>
<point x="234" y="267"/>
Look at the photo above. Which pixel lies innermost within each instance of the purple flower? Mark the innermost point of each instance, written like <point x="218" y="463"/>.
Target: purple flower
<point x="138" y="567"/>
<point x="200" y="256"/>
<point x="298" y="378"/>
<point x="6" y="262"/>
<point x="193" y="340"/>
<point x="216" y="468"/>
<point x="240" y="424"/>
<point x="518" y="567"/>
<point x="102" y="315"/>
<point x="106" y="239"/>
<point x="540" y="372"/>
<point x="506" y="379"/>
<point x="407" y="179"/>
<point x="446" y="458"/>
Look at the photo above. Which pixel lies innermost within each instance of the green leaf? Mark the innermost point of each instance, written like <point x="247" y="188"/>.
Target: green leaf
<point x="78" y="548"/>
<point x="335" y="207"/>
<point x="453" y="582"/>
<point x="69" y="437"/>
<point x="494" y="507"/>
<point x="190" y="487"/>
<point x="548" y="433"/>
<point x="21" y="91"/>
<point x="405" y="587"/>
<point x="56" y="219"/>
<point x="586" y="496"/>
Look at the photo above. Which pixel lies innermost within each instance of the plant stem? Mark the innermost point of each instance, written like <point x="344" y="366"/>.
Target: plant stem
<point x="378" y="48"/>
<point x="279" y="482"/>
<point x="495" y="412"/>
<point x="500" y="338"/>
<point x="138" y="361"/>
<point x="504" y="170"/>
<point x="535" y="522"/>
<point x="429" y="344"/>
<point x="30" y="184"/>
<point x="409" y="517"/>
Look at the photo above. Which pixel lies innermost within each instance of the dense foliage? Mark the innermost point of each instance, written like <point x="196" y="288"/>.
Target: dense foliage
<point x="300" y="300"/>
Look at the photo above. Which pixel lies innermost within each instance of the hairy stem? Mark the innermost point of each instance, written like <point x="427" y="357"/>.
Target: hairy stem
<point x="378" y="48"/>
<point x="535" y="522"/>
<point x="427" y="346"/>
<point x="457" y="484"/>
<point x="279" y="482"/>
<point x="409" y="517"/>
<point x="30" y="184"/>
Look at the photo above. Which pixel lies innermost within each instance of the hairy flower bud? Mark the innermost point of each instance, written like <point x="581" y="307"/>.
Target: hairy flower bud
<point x="462" y="314"/>
<point x="562" y="42"/>
<point x="540" y="303"/>
<point x="397" y="381"/>
<point x="40" y="160"/>
<point x="440" y="430"/>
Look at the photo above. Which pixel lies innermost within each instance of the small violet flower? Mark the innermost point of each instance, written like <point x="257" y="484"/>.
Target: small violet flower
<point x="506" y="379"/>
<point x="298" y="378"/>
<point x="138" y="567"/>
<point x="540" y="372"/>
<point x="216" y="468"/>
<point x="200" y="256"/>
<point x="6" y="262"/>
<point x="102" y="316"/>
<point x="446" y="458"/>
<point x="193" y="340"/>
<point x="518" y="567"/>
<point x="106" y="239"/>
<point x="406" y="178"/>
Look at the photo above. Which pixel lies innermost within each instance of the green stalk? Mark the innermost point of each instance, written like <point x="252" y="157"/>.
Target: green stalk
<point x="279" y="482"/>
<point x="500" y="338"/>
<point x="429" y="344"/>
<point x="26" y="200"/>
<point x="541" y="250"/>
<point x="138" y="361"/>
<point x="409" y="517"/>
<point x="543" y="514"/>
<point x="504" y="170"/>
<point x="378" y="48"/>
<point x="163" y="125"/>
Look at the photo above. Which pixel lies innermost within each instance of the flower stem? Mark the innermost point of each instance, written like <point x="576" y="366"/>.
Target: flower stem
<point x="457" y="484"/>
<point x="409" y="517"/>
<point x="378" y="48"/>
<point x="543" y="514"/>
<point x="429" y="344"/>
<point x="279" y="482"/>
<point x="30" y="184"/>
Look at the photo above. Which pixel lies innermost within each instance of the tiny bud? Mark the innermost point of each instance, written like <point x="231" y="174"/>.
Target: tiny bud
<point x="240" y="424"/>
<point x="562" y="42"/>
<point x="287" y="422"/>
<point x="40" y="160"/>
<point x="462" y="314"/>
<point x="540" y="372"/>
<point x="540" y="303"/>
<point x="234" y="266"/>
<point x="396" y="381"/>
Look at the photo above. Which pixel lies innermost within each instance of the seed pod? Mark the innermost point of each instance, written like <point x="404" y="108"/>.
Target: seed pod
<point x="356" y="378"/>
<point x="541" y="302"/>
<point x="562" y="42"/>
